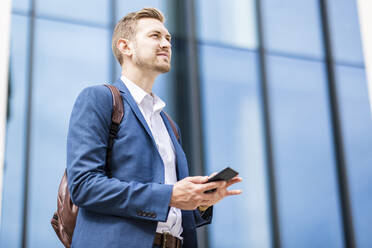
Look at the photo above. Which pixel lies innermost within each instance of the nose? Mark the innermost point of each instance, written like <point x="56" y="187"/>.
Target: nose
<point x="164" y="43"/>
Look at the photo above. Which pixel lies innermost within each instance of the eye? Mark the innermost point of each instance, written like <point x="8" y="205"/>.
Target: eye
<point x="155" y="35"/>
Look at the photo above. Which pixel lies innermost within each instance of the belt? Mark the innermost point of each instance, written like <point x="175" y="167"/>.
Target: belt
<point x="165" y="240"/>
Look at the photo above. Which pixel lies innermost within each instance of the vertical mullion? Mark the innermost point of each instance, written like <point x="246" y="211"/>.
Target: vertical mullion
<point x="26" y="178"/>
<point x="112" y="23"/>
<point x="343" y="185"/>
<point x="187" y="88"/>
<point x="194" y="89"/>
<point x="275" y="230"/>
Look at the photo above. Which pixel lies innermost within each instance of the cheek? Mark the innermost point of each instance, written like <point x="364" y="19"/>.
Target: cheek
<point x="146" y="51"/>
<point x="141" y="54"/>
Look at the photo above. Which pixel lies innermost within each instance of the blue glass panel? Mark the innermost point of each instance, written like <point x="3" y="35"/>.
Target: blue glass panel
<point x="61" y="70"/>
<point x="292" y="26"/>
<point x="12" y="209"/>
<point x="124" y="7"/>
<point x="234" y="137"/>
<point x="230" y="22"/>
<point x="345" y="32"/>
<point x="307" y="191"/>
<point x="93" y="11"/>
<point x="21" y="5"/>
<point x="357" y="133"/>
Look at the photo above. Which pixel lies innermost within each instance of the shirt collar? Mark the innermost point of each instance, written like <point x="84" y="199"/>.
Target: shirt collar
<point x="139" y="95"/>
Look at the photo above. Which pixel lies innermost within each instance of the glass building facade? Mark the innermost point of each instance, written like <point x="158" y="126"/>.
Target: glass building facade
<point x="274" y="89"/>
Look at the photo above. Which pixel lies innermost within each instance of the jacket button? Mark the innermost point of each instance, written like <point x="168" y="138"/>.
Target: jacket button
<point x="153" y="215"/>
<point x="141" y="213"/>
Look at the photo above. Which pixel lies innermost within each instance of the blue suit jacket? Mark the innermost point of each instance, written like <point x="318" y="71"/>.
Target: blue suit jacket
<point x="122" y="211"/>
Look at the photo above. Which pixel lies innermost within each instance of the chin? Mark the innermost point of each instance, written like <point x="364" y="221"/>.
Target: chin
<point x="163" y="69"/>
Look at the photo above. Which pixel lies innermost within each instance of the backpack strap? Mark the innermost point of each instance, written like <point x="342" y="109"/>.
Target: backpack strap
<point x="173" y="126"/>
<point x="116" y="118"/>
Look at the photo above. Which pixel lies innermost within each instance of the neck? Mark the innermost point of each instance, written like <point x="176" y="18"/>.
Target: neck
<point x="143" y="79"/>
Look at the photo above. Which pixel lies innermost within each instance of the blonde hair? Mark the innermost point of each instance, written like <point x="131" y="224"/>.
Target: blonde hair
<point x="126" y="27"/>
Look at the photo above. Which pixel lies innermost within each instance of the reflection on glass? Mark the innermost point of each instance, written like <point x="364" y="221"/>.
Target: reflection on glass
<point x="357" y="135"/>
<point x="233" y="137"/>
<point x="293" y="26"/>
<point x="345" y="32"/>
<point x="228" y="22"/>
<point x="95" y="11"/>
<point x="308" y="203"/>
<point x="12" y="202"/>
<point x="61" y="70"/>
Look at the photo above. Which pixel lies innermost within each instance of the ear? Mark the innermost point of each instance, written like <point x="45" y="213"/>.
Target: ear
<point x="125" y="47"/>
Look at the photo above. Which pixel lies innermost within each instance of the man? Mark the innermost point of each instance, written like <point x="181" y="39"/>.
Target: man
<point x="150" y="200"/>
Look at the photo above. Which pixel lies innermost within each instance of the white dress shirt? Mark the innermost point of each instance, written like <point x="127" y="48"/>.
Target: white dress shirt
<point x="151" y="106"/>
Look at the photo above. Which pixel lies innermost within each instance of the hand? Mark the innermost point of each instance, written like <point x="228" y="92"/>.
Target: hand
<point x="188" y="193"/>
<point x="222" y="192"/>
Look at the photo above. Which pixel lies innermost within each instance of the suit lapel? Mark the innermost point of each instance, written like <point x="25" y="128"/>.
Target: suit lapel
<point x="130" y="100"/>
<point x="181" y="166"/>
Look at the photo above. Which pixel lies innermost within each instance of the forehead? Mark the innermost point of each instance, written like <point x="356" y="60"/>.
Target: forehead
<point x="146" y="25"/>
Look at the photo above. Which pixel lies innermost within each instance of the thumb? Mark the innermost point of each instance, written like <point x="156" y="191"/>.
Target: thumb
<point x="198" y="179"/>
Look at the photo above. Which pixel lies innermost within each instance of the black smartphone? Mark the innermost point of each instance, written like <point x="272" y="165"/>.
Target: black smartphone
<point x="224" y="175"/>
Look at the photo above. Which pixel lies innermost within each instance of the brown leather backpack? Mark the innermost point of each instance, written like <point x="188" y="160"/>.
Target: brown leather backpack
<point x="64" y="219"/>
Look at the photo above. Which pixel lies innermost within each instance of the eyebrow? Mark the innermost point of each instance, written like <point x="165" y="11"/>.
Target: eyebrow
<point x="158" y="32"/>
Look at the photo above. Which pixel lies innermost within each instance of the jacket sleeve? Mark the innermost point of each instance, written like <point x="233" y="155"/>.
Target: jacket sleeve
<point x="89" y="186"/>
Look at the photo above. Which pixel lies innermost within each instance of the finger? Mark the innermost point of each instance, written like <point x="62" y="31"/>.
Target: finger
<point x="206" y="198"/>
<point x="212" y="185"/>
<point x="198" y="179"/>
<point x="234" y="192"/>
<point x="234" y="180"/>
